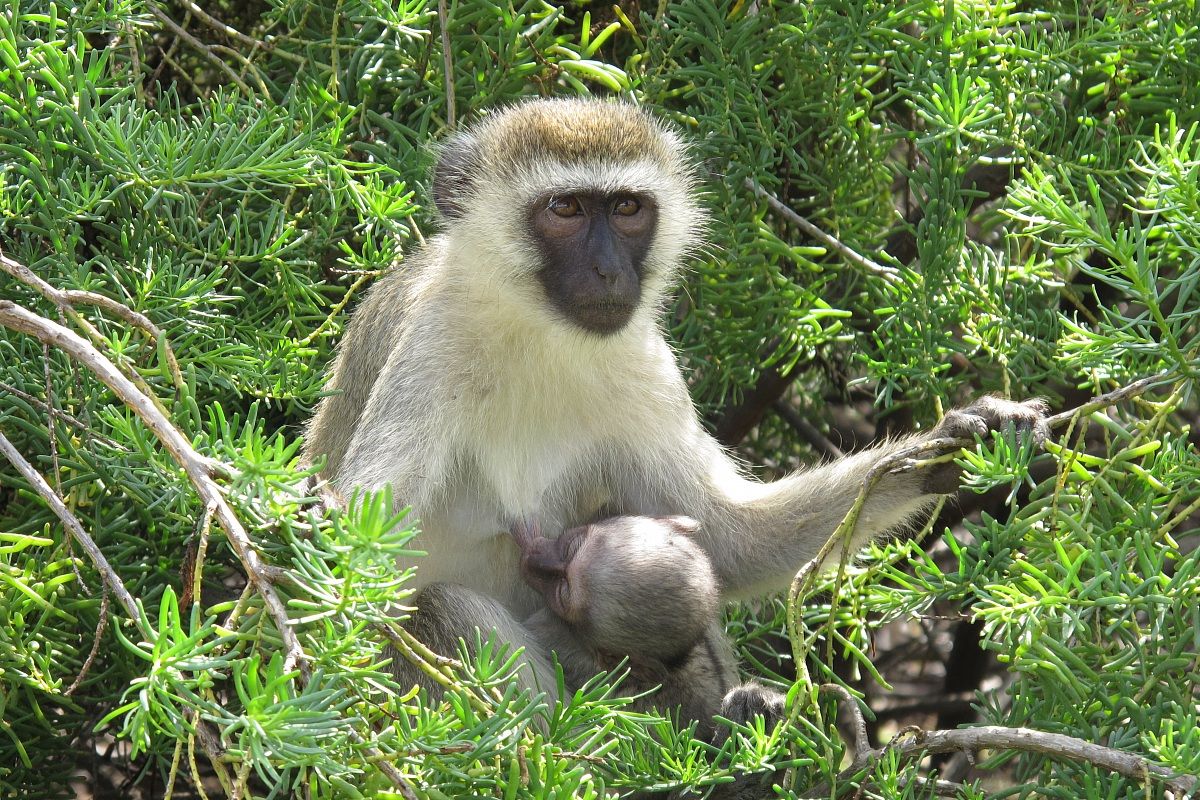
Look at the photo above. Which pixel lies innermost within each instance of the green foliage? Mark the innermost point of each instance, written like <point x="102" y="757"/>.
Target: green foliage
<point x="1025" y="176"/>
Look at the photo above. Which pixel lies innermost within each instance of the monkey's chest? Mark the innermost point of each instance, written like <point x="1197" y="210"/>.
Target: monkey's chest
<point x="554" y="478"/>
<point x="539" y="457"/>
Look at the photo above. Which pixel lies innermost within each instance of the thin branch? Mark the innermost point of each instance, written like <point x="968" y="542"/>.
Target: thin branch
<point x="920" y="743"/>
<point x="737" y="420"/>
<point x="914" y="743"/>
<point x="67" y="299"/>
<point x="1110" y="398"/>
<point x="234" y="33"/>
<point x="39" y="485"/>
<point x="940" y="788"/>
<point x="197" y="467"/>
<point x="811" y="434"/>
<point x="381" y="762"/>
<point x="199" y="46"/>
<point x="982" y="183"/>
<point x="890" y="274"/>
<point x="62" y="416"/>
<point x="338" y="307"/>
<point x="447" y="63"/>
<point x="437" y="668"/>
<point x="101" y="626"/>
<point x="912" y="457"/>
<point x="862" y="742"/>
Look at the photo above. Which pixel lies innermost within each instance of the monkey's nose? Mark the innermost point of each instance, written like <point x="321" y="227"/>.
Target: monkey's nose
<point x="542" y="567"/>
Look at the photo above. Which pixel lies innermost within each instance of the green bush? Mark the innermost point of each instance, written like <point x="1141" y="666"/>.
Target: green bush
<point x="1008" y="200"/>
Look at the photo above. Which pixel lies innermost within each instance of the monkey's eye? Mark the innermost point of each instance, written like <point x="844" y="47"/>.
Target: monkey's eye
<point x="560" y="602"/>
<point x="627" y="207"/>
<point x="565" y="206"/>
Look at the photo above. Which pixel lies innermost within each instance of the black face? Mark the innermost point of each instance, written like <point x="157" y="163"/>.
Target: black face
<point x="545" y="566"/>
<point x="593" y="249"/>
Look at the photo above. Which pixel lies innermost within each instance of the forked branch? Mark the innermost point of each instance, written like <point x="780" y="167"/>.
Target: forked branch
<point x="197" y="468"/>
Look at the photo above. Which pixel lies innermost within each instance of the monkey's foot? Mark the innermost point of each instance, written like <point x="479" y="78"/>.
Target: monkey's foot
<point x="981" y="417"/>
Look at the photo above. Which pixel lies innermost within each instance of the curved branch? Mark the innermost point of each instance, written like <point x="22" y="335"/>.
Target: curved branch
<point x="67" y="299"/>
<point x="195" y="466"/>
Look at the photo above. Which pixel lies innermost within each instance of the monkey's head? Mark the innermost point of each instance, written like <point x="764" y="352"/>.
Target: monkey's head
<point x="627" y="586"/>
<point x="580" y="208"/>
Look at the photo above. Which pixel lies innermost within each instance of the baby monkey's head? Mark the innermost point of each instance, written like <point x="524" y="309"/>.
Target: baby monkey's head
<point x="626" y="586"/>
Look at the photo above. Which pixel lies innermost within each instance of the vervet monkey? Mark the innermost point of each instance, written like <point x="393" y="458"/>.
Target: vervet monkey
<point x="635" y="589"/>
<point x="516" y="368"/>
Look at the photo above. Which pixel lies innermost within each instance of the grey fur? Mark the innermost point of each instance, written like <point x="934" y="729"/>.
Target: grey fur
<point x="640" y="590"/>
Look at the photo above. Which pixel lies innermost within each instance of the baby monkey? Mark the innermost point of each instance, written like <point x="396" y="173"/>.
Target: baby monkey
<point x="639" y="588"/>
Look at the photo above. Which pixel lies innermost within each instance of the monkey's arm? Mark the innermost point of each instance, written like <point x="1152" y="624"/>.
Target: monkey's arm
<point x="758" y="535"/>
<point x="373" y="332"/>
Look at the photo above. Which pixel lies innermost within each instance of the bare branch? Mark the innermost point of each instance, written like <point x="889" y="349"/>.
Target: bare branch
<point x="61" y="415"/>
<point x="437" y="668"/>
<point x="941" y="449"/>
<point x="913" y="743"/>
<point x="234" y="33"/>
<point x="862" y="743"/>
<point x="1110" y="398"/>
<point x="199" y="46"/>
<point x="39" y="484"/>
<point x="1055" y="745"/>
<point x="197" y="467"/>
<point x="67" y="299"/>
<point x="101" y="626"/>
<point x="811" y="434"/>
<point x="890" y="274"/>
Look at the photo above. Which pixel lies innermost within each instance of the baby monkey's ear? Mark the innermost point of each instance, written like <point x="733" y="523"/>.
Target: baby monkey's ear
<point x="679" y="524"/>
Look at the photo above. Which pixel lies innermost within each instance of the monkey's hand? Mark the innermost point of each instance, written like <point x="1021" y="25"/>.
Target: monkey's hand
<point x="981" y="417"/>
<point x="743" y="703"/>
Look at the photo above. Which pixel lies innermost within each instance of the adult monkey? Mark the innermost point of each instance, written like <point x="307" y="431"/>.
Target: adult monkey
<point x="516" y="368"/>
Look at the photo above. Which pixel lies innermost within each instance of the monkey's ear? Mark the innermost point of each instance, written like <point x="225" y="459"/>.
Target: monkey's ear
<point x="457" y="161"/>
<point x="680" y="524"/>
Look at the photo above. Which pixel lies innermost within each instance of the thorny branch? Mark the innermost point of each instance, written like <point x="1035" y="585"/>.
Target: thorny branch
<point x="198" y="469"/>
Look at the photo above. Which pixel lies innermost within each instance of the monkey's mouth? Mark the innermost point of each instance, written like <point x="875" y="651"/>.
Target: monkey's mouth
<point x="604" y="317"/>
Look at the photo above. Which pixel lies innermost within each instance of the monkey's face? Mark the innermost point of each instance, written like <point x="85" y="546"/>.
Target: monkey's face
<point x="576" y="212"/>
<point x="593" y="249"/>
<point x="636" y="586"/>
